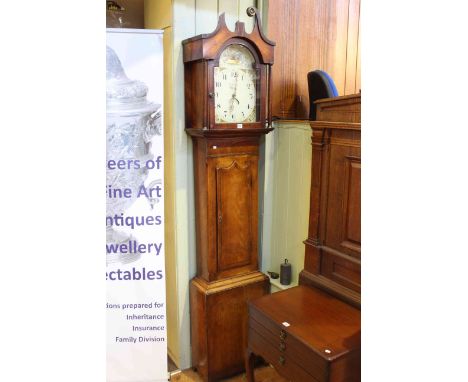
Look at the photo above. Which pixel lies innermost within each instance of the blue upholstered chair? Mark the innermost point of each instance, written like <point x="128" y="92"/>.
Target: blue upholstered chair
<point x="321" y="85"/>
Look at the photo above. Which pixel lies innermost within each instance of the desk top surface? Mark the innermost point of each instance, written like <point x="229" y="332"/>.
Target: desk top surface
<point x="315" y="318"/>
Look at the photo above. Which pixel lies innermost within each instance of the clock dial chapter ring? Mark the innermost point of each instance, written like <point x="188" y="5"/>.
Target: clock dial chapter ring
<point x="234" y="95"/>
<point x="236" y="85"/>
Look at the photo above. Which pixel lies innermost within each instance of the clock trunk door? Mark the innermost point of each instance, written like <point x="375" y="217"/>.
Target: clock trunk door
<point x="236" y="210"/>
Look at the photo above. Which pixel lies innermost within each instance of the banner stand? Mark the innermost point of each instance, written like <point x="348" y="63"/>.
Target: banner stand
<point x="136" y="286"/>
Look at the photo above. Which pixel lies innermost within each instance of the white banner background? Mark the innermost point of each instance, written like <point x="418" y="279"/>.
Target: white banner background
<point x="135" y="354"/>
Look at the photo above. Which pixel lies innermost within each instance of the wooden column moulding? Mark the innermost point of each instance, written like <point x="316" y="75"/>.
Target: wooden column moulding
<point x="227" y="110"/>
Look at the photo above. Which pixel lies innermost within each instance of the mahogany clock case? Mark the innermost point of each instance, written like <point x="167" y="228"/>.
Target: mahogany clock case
<point x="201" y="76"/>
<point x="201" y="56"/>
<point x="225" y="158"/>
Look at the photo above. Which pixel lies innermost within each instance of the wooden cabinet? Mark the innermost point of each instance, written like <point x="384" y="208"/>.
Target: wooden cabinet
<point x="307" y="335"/>
<point x="333" y="247"/>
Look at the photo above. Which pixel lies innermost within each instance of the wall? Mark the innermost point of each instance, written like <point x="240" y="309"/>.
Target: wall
<point x="310" y="35"/>
<point x="158" y="15"/>
<point x="289" y="159"/>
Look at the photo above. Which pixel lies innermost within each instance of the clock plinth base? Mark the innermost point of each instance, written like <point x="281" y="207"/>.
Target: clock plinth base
<point x="219" y="322"/>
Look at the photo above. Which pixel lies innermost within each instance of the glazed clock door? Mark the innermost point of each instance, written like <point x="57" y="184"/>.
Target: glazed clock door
<point x="236" y="213"/>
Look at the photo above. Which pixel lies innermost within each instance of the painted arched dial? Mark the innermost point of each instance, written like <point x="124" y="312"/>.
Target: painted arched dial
<point x="235" y="86"/>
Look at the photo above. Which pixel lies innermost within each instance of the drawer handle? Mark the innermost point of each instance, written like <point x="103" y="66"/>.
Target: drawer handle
<point x="283" y="335"/>
<point x="281" y="360"/>
<point x="282" y="346"/>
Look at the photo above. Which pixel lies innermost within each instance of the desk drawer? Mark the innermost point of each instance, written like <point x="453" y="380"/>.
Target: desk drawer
<point x="284" y="343"/>
<point x="281" y="361"/>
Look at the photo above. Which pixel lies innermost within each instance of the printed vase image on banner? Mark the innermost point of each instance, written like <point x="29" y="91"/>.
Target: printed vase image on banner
<point x="135" y="276"/>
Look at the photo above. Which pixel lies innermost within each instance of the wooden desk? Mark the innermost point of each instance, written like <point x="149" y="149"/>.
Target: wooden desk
<point x="322" y="342"/>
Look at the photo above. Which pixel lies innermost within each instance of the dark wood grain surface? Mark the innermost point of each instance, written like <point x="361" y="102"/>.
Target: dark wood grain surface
<point x="312" y="332"/>
<point x="201" y="55"/>
<point x="311" y="35"/>
<point x="333" y="246"/>
<point x="306" y="334"/>
<point x="225" y="157"/>
<point x="316" y="319"/>
<point x="226" y="201"/>
<point x="218" y="313"/>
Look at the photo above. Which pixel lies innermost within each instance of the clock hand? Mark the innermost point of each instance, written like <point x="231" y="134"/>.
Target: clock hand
<point x="235" y="88"/>
<point x="233" y="97"/>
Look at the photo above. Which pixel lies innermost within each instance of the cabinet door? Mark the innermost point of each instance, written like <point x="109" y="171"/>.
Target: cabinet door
<point x="341" y="259"/>
<point x="236" y="213"/>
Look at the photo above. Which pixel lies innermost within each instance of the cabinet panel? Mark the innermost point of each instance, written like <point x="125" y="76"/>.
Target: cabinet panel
<point x="352" y="209"/>
<point x="219" y="322"/>
<point x="236" y="211"/>
<point x="341" y="268"/>
<point x="343" y="228"/>
<point x="196" y="114"/>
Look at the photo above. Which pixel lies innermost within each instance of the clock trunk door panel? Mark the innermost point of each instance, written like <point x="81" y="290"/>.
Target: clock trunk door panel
<point x="236" y="213"/>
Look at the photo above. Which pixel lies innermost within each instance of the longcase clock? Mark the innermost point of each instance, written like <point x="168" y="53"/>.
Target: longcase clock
<point x="227" y="111"/>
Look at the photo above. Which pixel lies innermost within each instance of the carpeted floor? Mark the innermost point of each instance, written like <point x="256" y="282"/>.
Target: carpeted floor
<point x="262" y="374"/>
